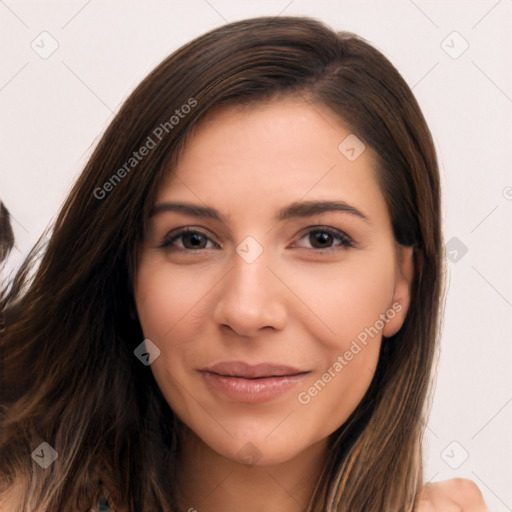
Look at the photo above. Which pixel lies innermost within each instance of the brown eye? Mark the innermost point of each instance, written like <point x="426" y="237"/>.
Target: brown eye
<point x="320" y="239"/>
<point x="194" y="240"/>
<point x="327" y="238"/>
<point x="188" y="240"/>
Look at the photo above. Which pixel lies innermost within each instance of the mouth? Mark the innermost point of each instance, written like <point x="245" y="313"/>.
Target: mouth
<point x="244" y="370"/>
<point x="240" y="382"/>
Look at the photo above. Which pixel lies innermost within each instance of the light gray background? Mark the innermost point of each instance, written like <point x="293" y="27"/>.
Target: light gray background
<point x="55" y="109"/>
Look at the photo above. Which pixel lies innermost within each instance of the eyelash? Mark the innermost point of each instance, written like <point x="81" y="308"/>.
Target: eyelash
<point x="346" y="241"/>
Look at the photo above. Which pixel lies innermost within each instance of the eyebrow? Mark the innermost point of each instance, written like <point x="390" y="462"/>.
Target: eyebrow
<point x="297" y="209"/>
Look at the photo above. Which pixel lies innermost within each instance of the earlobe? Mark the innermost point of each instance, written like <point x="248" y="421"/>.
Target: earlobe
<point x="397" y="310"/>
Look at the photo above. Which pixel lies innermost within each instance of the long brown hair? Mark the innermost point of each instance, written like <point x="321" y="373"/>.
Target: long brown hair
<point x="6" y="233"/>
<point x="68" y="373"/>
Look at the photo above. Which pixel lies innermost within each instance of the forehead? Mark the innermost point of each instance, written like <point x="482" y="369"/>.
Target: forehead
<point x="270" y="153"/>
<point x="292" y="127"/>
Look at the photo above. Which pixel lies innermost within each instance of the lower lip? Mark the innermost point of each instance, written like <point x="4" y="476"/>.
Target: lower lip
<point x="252" y="390"/>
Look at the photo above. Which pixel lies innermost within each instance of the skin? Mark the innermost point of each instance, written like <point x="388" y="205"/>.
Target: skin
<point x="298" y="303"/>
<point x="454" y="495"/>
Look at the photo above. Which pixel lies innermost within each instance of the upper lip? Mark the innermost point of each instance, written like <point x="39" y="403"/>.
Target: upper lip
<point x="245" y="370"/>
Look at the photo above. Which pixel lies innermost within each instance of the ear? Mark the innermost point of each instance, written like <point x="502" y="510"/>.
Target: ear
<point x="399" y="305"/>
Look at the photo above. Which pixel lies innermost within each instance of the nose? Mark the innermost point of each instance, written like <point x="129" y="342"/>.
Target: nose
<point x="250" y="298"/>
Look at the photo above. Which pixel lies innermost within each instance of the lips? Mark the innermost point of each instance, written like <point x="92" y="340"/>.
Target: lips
<point x="241" y="382"/>
<point x="244" y="370"/>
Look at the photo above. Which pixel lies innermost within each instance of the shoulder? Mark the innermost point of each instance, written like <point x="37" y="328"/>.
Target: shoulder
<point x="12" y="497"/>
<point x="461" y="494"/>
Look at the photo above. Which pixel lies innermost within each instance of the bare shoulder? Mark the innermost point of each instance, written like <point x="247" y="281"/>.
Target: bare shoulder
<point x="8" y="502"/>
<point x="457" y="494"/>
<point x="11" y="500"/>
<point x="10" y="497"/>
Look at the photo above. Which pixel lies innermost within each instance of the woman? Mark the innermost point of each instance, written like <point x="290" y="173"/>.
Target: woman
<point x="238" y="307"/>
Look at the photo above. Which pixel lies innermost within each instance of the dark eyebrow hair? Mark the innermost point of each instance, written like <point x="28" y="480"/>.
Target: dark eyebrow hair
<point x="294" y="210"/>
<point x="187" y="208"/>
<point x="308" y="208"/>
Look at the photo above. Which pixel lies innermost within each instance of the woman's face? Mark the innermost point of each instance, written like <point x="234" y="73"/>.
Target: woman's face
<point x="289" y="263"/>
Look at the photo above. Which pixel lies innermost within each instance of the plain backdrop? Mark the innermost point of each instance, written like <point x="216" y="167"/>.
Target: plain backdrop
<point x="455" y="55"/>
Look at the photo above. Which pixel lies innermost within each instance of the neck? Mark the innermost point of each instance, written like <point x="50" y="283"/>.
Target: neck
<point x="209" y="482"/>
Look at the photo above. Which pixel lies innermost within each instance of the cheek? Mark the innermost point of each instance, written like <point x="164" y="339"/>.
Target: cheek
<point x="332" y="396"/>
<point x="167" y="303"/>
<point x="174" y="305"/>
<point x="347" y="329"/>
<point x="167" y="299"/>
<point x="344" y="299"/>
